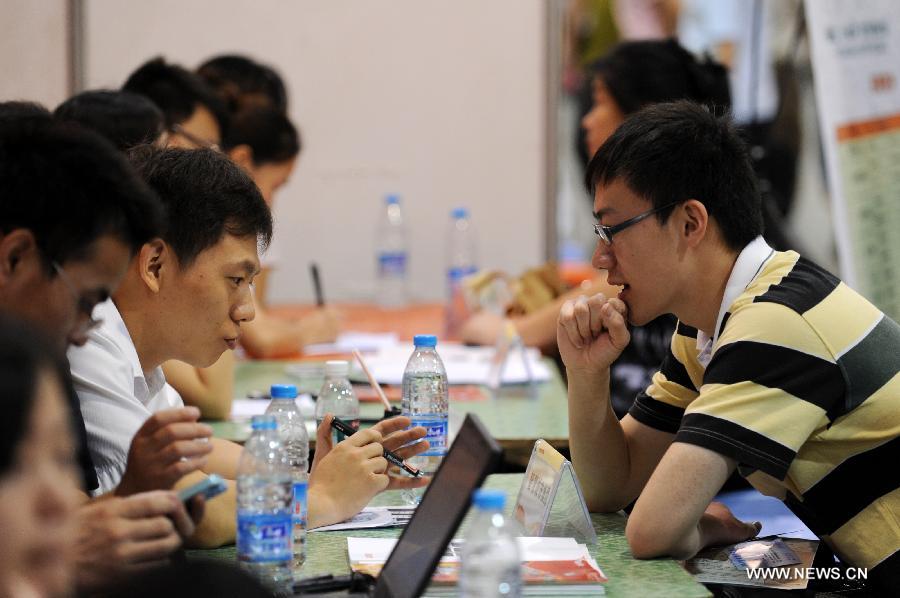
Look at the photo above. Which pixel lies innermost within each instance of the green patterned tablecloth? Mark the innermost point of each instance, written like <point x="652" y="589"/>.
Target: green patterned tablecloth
<point x="327" y="552"/>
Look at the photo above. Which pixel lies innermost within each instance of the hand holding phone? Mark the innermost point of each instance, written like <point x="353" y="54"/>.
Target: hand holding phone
<point x="210" y="487"/>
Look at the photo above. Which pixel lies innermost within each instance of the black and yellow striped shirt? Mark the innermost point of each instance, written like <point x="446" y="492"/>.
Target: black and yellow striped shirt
<point x="803" y="392"/>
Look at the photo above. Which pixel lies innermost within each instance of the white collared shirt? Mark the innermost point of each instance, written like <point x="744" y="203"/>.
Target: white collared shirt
<point x="747" y="266"/>
<point x="116" y="397"/>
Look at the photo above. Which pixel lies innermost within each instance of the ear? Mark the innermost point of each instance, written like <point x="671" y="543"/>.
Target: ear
<point x="242" y="155"/>
<point x="153" y="261"/>
<point x="15" y="247"/>
<point x="695" y="222"/>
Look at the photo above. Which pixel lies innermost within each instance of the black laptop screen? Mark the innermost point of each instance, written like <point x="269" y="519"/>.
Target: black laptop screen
<point x="473" y="455"/>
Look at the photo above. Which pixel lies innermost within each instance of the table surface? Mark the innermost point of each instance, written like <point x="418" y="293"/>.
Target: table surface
<point x="327" y="552"/>
<point x="516" y="417"/>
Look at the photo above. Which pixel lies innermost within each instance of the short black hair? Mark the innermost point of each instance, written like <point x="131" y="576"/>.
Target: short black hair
<point x="25" y="354"/>
<point x="640" y="73"/>
<point x="205" y="195"/>
<point x="241" y="81"/>
<point x="19" y="109"/>
<point x="672" y="152"/>
<point x="69" y="187"/>
<point x="176" y="91"/>
<point x="268" y="132"/>
<point x="127" y="119"/>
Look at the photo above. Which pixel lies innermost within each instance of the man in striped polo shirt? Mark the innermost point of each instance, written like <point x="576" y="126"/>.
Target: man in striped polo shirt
<point x="777" y="368"/>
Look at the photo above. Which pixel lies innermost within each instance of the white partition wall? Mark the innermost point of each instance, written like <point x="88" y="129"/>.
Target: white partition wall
<point x="441" y="102"/>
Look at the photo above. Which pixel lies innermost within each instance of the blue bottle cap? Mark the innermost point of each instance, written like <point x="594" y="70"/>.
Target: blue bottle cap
<point x="263" y="422"/>
<point x="459" y="213"/>
<point x="484" y="498"/>
<point x="283" y="391"/>
<point x="425" y="340"/>
<point x="392" y="199"/>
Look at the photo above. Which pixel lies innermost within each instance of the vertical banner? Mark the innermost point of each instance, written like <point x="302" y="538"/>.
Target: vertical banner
<point x="856" y="63"/>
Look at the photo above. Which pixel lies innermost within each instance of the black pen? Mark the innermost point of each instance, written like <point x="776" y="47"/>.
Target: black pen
<point x="392" y="457"/>
<point x="317" y="284"/>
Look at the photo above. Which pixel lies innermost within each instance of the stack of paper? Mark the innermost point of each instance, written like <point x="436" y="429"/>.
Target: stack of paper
<point x="464" y="365"/>
<point x="557" y="566"/>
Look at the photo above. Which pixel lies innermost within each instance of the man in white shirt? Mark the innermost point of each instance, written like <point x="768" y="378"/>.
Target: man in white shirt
<point x="185" y="297"/>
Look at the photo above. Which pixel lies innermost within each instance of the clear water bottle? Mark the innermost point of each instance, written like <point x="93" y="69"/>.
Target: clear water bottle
<point x="491" y="561"/>
<point x="337" y="397"/>
<point x="264" y="500"/>
<point x="295" y="438"/>
<point x="426" y="402"/>
<point x="391" y="253"/>
<point x="461" y="262"/>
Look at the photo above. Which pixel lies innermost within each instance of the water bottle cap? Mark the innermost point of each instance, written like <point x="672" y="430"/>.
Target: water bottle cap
<point x="459" y="213"/>
<point x="337" y="367"/>
<point x="392" y="199"/>
<point x="283" y="391"/>
<point x="425" y="340"/>
<point x="484" y="498"/>
<point x="263" y="422"/>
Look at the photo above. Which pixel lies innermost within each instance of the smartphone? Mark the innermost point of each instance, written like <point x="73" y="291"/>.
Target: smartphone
<point x="212" y="486"/>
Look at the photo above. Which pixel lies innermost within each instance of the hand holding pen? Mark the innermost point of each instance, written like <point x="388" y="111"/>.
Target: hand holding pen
<point x="392" y="457"/>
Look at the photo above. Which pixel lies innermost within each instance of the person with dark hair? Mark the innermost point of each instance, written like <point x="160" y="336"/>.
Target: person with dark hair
<point x="19" y="110"/>
<point x="263" y="142"/>
<point x="38" y="487"/>
<point x="630" y="76"/>
<point x="194" y="115"/>
<point x="127" y="119"/>
<point x="244" y="83"/>
<point x="186" y="296"/>
<point x="776" y="369"/>
<point x="73" y="214"/>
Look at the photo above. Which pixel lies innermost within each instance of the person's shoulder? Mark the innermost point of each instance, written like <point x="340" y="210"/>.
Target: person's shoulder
<point x="102" y="360"/>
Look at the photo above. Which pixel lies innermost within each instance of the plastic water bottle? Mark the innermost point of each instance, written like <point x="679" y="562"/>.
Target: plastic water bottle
<point x="391" y="254"/>
<point x="426" y="402"/>
<point x="337" y="397"/>
<point x="264" y="497"/>
<point x="295" y="438"/>
<point x="461" y="262"/>
<point x="491" y="560"/>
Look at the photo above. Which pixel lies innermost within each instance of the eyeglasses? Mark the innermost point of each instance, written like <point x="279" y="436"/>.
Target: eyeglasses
<point x="85" y="305"/>
<point x="198" y="141"/>
<point x="606" y="232"/>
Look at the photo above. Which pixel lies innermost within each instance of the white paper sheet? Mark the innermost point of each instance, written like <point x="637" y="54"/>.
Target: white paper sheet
<point x="464" y="365"/>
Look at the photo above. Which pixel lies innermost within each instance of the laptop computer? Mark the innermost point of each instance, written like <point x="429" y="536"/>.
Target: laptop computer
<point x="472" y="456"/>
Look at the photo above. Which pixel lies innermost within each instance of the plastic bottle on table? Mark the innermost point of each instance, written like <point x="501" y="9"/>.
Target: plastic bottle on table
<point x="491" y="560"/>
<point x="426" y="402"/>
<point x="264" y="500"/>
<point x="295" y="438"/>
<point x="461" y="262"/>
<point x="337" y="397"/>
<point x="391" y="255"/>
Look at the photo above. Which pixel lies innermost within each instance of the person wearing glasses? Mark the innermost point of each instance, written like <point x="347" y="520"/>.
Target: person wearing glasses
<point x="632" y="75"/>
<point x="74" y="212"/>
<point x="194" y="115"/>
<point x="776" y="370"/>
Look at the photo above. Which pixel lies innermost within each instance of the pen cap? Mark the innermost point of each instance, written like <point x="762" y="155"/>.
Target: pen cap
<point x="425" y="340"/>
<point x="337" y="369"/>
<point x="486" y="499"/>
<point x="283" y="391"/>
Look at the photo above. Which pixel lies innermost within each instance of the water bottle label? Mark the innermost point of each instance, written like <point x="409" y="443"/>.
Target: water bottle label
<point x="455" y="275"/>
<point x="299" y="515"/>
<point x="435" y="434"/>
<point x="264" y="538"/>
<point x="392" y="263"/>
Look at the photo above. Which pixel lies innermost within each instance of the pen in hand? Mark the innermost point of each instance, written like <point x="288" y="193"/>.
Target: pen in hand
<point x="392" y="457"/>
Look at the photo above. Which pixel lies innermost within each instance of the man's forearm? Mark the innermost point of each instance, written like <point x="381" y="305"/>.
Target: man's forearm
<point x="597" y="443"/>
